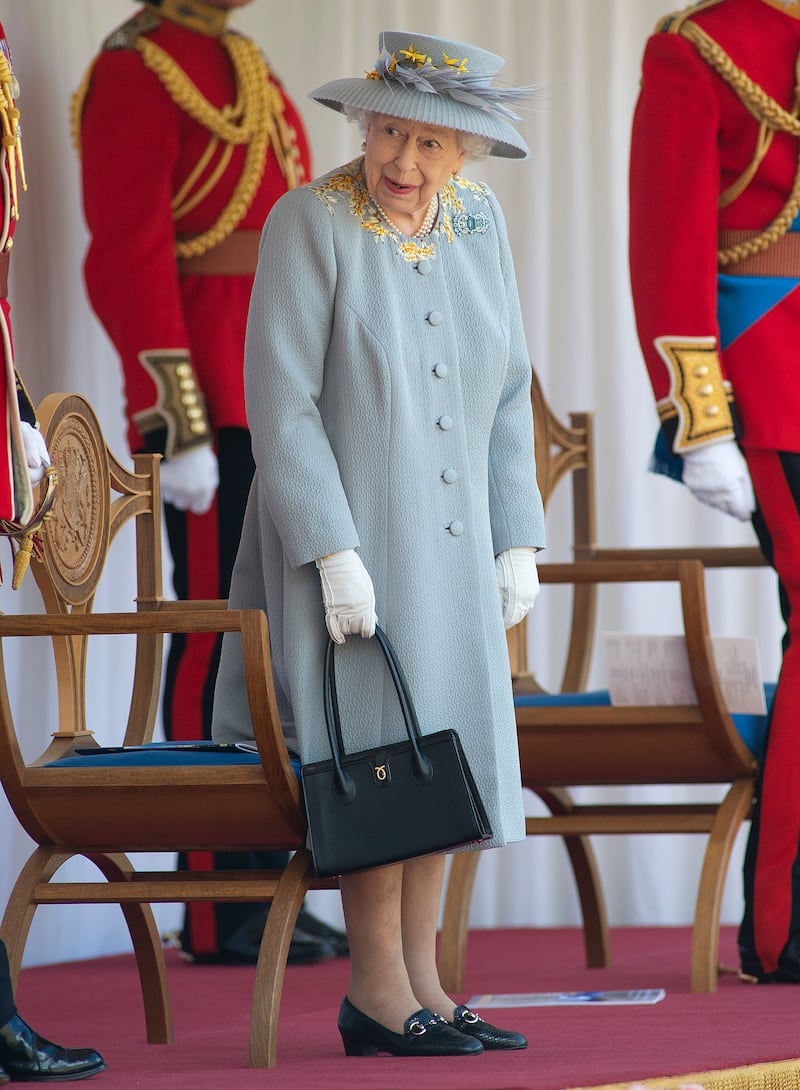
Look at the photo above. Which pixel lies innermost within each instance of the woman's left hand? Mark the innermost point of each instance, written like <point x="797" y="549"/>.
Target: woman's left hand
<point x="517" y="582"/>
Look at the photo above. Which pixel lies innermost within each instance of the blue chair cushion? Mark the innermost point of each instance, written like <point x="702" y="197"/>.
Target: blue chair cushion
<point x="160" y="754"/>
<point x="752" y="728"/>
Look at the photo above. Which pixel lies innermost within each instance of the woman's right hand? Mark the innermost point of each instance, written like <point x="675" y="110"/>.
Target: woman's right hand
<point x="348" y="595"/>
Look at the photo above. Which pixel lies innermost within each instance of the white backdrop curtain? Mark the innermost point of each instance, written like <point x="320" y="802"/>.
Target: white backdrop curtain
<point x="566" y="208"/>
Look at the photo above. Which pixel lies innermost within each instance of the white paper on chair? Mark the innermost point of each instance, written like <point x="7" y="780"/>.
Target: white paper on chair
<point x="646" y="670"/>
<point x="570" y="999"/>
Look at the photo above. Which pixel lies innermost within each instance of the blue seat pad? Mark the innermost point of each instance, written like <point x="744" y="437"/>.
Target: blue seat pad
<point x="160" y="754"/>
<point x="752" y="728"/>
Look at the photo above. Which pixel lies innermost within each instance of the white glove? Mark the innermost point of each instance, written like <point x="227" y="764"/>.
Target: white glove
<point x="517" y="582"/>
<point x="348" y="595"/>
<point x="36" y="453"/>
<point x="190" y="481"/>
<point x="717" y="474"/>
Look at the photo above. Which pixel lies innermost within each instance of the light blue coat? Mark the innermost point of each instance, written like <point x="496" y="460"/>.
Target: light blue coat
<point x="388" y="397"/>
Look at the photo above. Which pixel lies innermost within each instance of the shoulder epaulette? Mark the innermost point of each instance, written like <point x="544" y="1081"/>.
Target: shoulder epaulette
<point x="671" y="24"/>
<point x="126" y="36"/>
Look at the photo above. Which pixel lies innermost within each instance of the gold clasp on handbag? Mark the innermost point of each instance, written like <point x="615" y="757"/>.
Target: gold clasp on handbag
<point x="381" y="773"/>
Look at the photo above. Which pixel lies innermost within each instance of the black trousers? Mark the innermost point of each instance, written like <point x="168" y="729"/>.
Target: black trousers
<point x="203" y="549"/>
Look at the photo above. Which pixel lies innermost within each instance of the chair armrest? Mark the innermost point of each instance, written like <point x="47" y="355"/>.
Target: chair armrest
<point x="251" y="623"/>
<point x="723" y="556"/>
<point x="614" y="570"/>
<point x="690" y="575"/>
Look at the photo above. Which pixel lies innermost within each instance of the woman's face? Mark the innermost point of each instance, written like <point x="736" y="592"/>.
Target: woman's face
<point x="407" y="162"/>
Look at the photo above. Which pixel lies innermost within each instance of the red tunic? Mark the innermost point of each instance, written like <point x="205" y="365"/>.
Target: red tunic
<point x="16" y="497"/>
<point x="692" y="138"/>
<point x="138" y="148"/>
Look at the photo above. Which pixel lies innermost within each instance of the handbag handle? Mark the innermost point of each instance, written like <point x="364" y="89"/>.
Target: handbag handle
<point x="423" y="769"/>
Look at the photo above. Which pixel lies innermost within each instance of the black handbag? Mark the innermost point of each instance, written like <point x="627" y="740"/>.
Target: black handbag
<point x="393" y="802"/>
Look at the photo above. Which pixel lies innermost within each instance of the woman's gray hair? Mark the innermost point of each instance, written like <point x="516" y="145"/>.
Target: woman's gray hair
<point x="474" y="147"/>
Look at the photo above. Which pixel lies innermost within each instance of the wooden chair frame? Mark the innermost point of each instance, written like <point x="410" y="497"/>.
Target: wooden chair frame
<point x="567" y="746"/>
<point x="105" y="813"/>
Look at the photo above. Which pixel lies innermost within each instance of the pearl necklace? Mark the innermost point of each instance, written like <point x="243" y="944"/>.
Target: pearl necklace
<point x="425" y="226"/>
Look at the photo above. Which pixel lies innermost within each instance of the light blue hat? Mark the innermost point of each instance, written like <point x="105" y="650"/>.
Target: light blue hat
<point x="437" y="82"/>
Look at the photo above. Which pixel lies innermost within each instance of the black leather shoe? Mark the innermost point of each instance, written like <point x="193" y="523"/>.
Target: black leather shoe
<point x="4" y="1077"/>
<point x="471" y="1024"/>
<point x="425" y="1034"/>
<point x="242" y="947"/>
<point x="314" y="926"/>
<point x="27" y="1057"/>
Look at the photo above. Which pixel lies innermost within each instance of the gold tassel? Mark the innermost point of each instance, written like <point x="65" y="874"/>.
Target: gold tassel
<point x="22" y="559"/>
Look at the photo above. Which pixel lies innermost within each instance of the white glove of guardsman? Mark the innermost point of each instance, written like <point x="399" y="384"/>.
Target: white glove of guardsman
<point x="517" y="582"/>
<point x="36" y="453"/>
<point x="348" y="596"/>
<point x="717" y="474"/>
<point x="189" y="481"/>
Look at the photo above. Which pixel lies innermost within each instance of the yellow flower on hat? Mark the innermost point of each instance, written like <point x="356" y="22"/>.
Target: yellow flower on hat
<point x="411" y="55"/>
<point x="454" y="62"/>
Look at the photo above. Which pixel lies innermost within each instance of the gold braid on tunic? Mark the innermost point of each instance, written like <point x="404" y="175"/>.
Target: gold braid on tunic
<point x="9" y="121"/>
<point x="771" y="117"/>
<point x="256" y="119"/>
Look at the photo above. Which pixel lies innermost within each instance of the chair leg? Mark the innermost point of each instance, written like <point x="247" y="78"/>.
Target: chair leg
<point x="271" y="967"/>
<point x="149" y="952"/>
<point x="42" y="864"/>
<point x="455" y="920"/>
<point x="733" y="810"/>
<point x="587" y="881"/>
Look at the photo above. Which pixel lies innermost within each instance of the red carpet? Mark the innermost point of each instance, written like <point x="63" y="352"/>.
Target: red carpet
<point x="97" y="1003"/>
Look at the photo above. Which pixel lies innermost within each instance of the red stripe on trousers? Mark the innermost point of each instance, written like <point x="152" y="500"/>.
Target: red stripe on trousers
<point x="779" y="832"/>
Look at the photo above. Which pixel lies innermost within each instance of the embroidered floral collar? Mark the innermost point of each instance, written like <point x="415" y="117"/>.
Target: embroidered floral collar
<point x="348" y="184"/>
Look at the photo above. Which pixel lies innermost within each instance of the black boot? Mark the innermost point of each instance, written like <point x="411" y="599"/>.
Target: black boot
<point x="243" y="946"/>
<point x="27" y="1057"/>
<point x="321" y="930"/>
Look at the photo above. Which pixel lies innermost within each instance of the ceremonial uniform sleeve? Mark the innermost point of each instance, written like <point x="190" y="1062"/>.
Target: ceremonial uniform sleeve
<point x="674" y="194"/>
<point x="130" y="138"/>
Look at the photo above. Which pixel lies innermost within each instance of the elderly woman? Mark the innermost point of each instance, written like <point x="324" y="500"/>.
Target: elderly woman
<point x="388" y="396"/>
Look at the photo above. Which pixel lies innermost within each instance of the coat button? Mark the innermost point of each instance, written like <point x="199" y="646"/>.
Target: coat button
<point x="435" y="317"/>
<point x="423" y="267"/>
<point x="456" y="528"/>
<point x="449" y="476"/>
<point x="440" y="370"/>
<point x="445" y="423"/>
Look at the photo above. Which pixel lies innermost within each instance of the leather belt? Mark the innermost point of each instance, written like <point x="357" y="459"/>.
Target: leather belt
<point x="236" y="255"/>
<point x="781" y="258"/>
<point x="5" y="259"/>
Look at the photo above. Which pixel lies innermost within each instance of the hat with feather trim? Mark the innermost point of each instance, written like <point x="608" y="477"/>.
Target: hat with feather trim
<point x="437" y="82"/>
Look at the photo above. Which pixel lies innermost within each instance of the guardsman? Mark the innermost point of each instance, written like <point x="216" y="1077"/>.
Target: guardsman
<point x="715" y="267"/>
<point x="187" y="139"/>
<point x="24" y="1055"/>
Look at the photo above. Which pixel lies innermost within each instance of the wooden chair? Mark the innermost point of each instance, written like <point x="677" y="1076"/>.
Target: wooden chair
<point x="566" y="744"/>
<point x="72" y="807"/>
